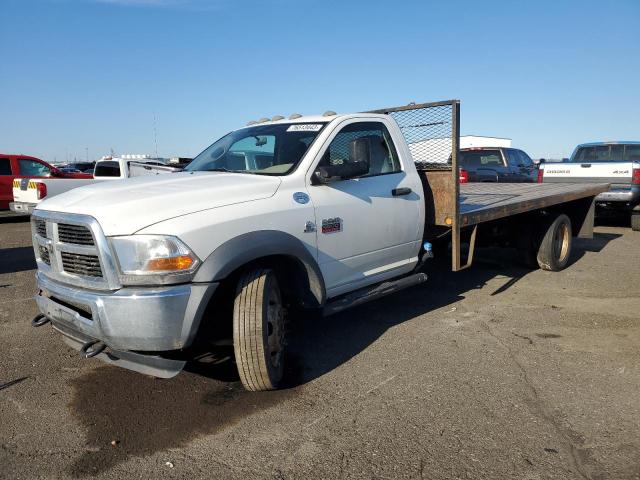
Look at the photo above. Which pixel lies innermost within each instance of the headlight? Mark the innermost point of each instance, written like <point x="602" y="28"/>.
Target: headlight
<point x="153" y="259"/>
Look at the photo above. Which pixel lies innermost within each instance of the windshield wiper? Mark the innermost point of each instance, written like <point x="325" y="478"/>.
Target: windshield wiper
<point x="222" y="169"/>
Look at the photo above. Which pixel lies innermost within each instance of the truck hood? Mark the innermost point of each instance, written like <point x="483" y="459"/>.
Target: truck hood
<point x="122" y="207"/>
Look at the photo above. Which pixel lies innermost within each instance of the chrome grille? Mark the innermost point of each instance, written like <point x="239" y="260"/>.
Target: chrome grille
<point x="79" y="264"/>
<point x="72" y="249"/>
<point x="74" y="234"/>
<point x="41" y="228"/>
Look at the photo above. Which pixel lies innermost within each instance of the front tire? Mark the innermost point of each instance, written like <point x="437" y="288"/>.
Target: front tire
<point x="258" y="330"/>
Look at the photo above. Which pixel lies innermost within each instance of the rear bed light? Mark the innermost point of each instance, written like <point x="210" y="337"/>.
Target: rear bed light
<point x="464" y="176"/>
<point x="635" y="176"/>
<point x="540" y="175"/>
<point x="42" y="190"/>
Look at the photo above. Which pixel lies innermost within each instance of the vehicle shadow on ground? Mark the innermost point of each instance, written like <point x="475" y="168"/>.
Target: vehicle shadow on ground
<point x="144" y="415"/>
<point x="127" y="414"/>
<point x="10" y="218"/>
<point x="613" y="219"/>
<point x="16" y="259"/>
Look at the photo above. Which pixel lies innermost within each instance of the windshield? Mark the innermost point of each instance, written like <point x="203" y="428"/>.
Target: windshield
<point x="264" y="149"/>
<point x="608" y="153"/>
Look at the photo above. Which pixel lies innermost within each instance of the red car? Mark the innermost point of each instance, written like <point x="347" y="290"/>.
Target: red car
<point x="23" y="166"/>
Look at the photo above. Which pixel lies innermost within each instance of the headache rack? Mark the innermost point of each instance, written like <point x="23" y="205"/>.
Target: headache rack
<point x="432" y="132"/>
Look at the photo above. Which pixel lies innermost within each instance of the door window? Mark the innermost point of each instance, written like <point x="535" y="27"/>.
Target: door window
<point x="31" y="168"/>
<point x="514" y="159"/>
<point x="5" y="166"/>
<point x="383" y="157"/>
<point x="525" y="159"/>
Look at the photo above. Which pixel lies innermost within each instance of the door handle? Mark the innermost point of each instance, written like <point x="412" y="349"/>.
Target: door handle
<point x="396" y="192"/>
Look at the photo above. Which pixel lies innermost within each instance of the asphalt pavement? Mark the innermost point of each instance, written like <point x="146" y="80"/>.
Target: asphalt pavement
<point x="491" y="373"/>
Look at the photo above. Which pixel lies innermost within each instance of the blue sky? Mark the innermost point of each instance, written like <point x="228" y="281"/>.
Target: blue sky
<point x="79" y="74"/>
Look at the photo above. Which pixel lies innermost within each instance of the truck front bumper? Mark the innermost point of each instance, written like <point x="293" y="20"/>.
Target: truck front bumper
<point x="134" y="323"/>
<point x="22" y="207"/>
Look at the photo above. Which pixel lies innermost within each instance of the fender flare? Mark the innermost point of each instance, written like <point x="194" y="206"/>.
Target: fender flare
<point x="247" y="247"/>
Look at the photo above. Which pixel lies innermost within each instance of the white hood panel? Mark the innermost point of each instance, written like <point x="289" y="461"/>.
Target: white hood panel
<point x="123" y="207"/>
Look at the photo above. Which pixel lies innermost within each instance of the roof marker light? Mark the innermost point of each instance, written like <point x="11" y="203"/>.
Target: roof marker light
<point x="277" y="117"/>
<point x="329" y="113"/>
<point x="293" y="116"/>
<point x="252" y="122"/>
<point x="263" y="119"/>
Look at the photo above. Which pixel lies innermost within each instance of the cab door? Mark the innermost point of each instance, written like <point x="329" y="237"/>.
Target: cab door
<point x="368" y="226"/>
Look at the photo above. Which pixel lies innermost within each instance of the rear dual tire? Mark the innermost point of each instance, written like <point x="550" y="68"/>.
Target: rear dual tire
<point x="548" y="246"/>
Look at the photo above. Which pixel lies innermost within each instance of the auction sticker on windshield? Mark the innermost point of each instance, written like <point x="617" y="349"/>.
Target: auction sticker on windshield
<point x="305" y="127"/>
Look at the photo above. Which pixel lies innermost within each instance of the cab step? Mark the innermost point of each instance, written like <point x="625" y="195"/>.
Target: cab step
<point x="372" y="292"/>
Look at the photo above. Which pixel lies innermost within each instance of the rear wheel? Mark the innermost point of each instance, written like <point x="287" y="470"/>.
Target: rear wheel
<point x="635" y="221"/>
<point x="258" y="330"/>
<point x="555" y="246"/>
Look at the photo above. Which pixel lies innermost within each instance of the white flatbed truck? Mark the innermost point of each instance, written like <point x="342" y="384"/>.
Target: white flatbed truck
<point x="321" y="212"/>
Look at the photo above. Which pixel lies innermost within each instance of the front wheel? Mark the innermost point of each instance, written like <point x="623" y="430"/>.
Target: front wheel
<point x="258" y="330"/>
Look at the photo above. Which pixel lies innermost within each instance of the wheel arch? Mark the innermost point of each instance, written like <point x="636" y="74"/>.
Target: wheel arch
<point x="269" y="246"/>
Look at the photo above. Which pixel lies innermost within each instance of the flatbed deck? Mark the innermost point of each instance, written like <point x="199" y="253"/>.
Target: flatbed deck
<point x="483" y="202"/>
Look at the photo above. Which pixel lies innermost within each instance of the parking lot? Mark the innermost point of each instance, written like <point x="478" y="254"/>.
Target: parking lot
<point x="494" y="372"/>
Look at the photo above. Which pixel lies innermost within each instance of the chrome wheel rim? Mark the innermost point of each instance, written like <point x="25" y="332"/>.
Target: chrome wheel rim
<point x="275" y="326"/>
<point x="561" y="242"/>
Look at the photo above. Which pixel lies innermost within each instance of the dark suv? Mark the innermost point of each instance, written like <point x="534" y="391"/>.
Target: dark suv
<point x="504" y="165"/>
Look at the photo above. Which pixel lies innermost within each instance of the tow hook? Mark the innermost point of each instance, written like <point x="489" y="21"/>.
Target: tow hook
<point x="92" y="348"/>
<point x="39" y="320"/>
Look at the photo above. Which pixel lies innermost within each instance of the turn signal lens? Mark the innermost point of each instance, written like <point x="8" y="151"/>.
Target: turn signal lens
<point x="175" y="264"/>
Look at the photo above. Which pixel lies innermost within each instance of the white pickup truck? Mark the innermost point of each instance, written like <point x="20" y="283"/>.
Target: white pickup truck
<point x="27" y="193"/>
<point x="617" y="163"/>
<point x="317" y="212"/>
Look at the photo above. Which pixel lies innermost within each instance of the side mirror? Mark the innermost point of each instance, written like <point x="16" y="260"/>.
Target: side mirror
<point x="344" y="171"/>
<point x="357" y="166"/>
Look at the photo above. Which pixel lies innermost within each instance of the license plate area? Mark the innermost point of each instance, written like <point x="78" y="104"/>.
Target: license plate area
<point x="59" y="310"/>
